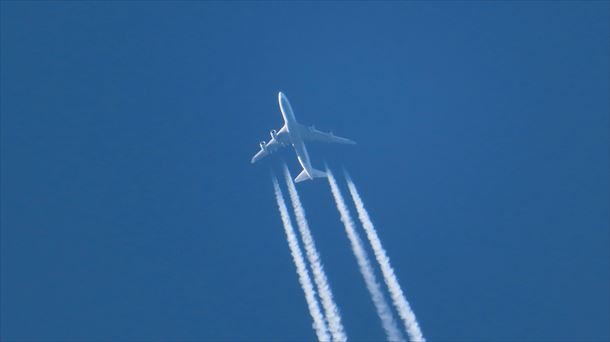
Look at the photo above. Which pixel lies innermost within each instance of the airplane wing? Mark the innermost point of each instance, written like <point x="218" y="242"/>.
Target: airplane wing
<point x="266" y="149"/>
<point x="312" y="134"/>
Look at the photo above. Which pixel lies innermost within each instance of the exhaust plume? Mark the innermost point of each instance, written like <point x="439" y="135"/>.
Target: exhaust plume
<point x="319" y="324"/>
<point x="400" y="302"/>
<point x="383" y="309"/>
<point x="328" y="303"/>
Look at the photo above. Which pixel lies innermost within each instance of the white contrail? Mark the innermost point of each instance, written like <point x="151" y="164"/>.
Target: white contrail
<point x="383" y="309"/>
<point x="330" y="308"/>
<point x="398" y="297"/>
<point x="297" y="256"/>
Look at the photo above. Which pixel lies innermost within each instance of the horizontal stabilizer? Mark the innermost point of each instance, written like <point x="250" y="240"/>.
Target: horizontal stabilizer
<point x="305" y="176"/>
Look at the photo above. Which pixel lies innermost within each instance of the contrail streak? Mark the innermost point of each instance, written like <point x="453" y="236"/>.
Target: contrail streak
<point x="383" y="309"/>
<point x="330" y="308"/>
<point x="297" y="256"/>
<point x="398" y="297"/>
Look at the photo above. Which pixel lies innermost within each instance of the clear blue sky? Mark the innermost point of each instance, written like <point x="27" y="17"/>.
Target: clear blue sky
<point x="129" y="208"/>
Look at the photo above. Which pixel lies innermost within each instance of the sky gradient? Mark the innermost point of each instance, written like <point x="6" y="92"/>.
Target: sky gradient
<point x="129" y="209"/>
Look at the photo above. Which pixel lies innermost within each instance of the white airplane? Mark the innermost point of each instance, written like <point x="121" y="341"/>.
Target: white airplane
<point x="295" y="134"/>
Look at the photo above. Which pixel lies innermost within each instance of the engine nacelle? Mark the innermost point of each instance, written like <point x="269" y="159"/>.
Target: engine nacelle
<point x="273" y="134"/>
<point x="263" y="145"/>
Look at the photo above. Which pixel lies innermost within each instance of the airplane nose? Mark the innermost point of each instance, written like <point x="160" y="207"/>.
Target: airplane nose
<point x="281" y="98"/>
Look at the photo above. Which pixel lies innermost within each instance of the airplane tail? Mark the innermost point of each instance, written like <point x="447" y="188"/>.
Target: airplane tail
<point x="305" y="176"/>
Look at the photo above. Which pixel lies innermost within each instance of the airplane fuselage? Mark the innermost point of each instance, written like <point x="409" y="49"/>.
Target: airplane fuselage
<point x="295" y="139"/>
<point x="296" y="134"/>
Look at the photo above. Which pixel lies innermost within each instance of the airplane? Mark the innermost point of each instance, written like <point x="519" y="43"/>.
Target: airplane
<point x="295" y="134"/>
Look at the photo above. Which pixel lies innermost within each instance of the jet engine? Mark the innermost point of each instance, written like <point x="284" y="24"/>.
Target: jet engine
<point x="273" y="134"/>
<point x="263" y="145"/>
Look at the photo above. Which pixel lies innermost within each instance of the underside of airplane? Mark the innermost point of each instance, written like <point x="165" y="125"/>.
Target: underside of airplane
<point x="295" y="134"/>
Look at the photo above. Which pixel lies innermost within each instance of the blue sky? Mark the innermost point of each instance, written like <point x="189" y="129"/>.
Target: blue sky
<point x="129" y="208"/>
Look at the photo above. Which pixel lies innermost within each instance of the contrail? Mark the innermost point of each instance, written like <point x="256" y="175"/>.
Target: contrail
<point x="330" y="308"/>
<point x="383" y="309"/>
<point x="398" y="297"/>
<point x="297" y="256"/>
